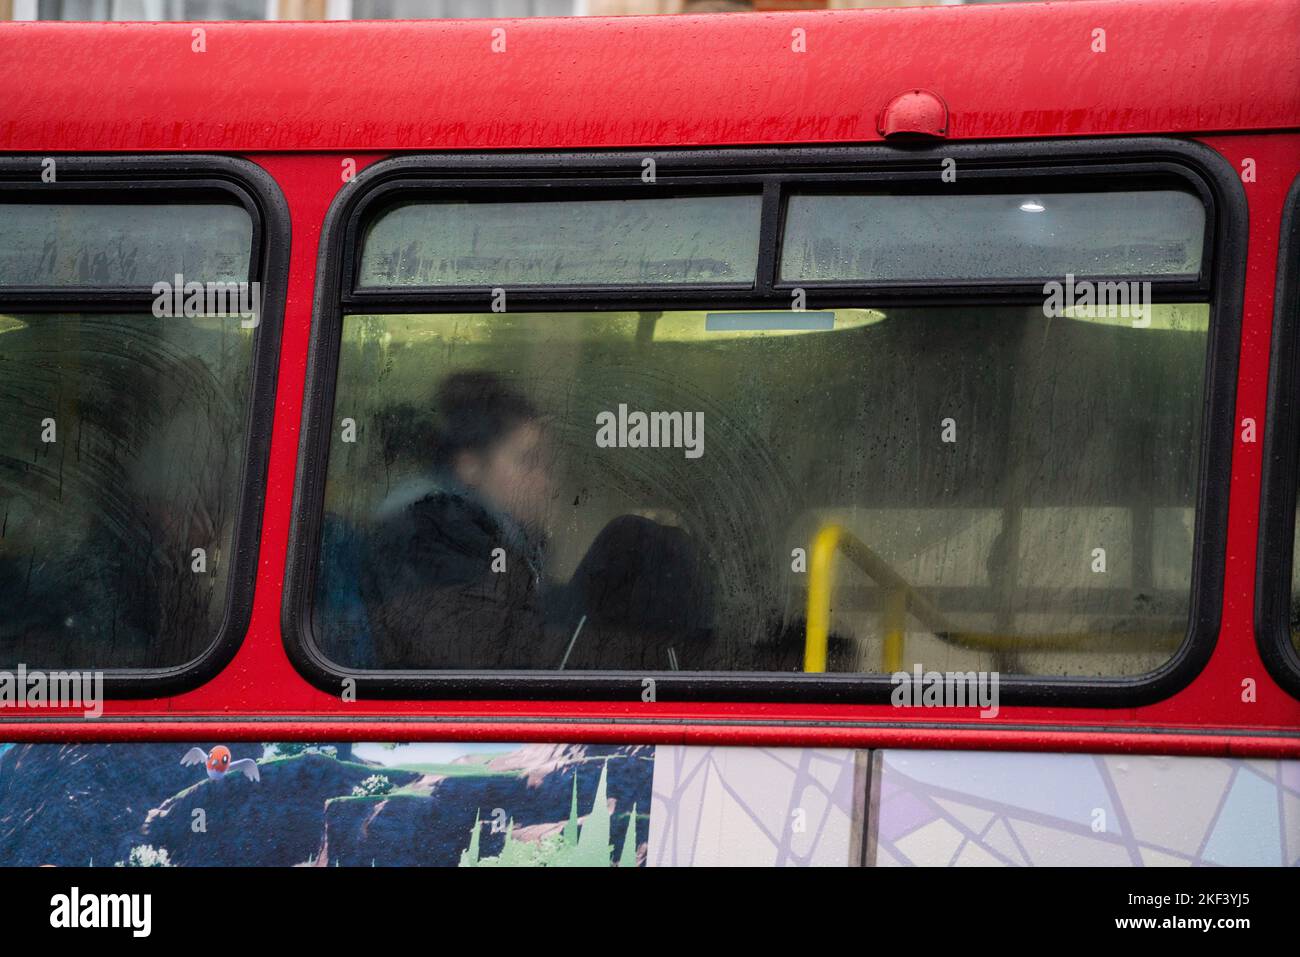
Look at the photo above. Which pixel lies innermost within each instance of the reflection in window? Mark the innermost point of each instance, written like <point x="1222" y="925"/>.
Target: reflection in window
<point x="629" y="490"/>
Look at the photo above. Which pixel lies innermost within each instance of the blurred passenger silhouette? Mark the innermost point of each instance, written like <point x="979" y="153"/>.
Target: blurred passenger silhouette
<point x="454" y="575"/>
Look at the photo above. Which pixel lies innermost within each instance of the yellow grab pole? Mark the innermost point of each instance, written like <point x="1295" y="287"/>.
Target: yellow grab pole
<point x="821" y="583"/>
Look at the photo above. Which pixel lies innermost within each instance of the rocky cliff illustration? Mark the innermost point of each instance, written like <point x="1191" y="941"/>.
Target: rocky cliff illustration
<point x="324" y="805"/>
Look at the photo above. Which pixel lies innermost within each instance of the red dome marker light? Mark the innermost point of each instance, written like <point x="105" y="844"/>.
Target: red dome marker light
<point x="914" y="113"/>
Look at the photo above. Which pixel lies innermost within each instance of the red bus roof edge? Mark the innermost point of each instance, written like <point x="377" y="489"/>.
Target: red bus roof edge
<point x="1035" y="70"/>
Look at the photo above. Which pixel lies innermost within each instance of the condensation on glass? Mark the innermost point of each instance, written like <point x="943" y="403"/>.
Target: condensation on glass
<point x="108" y="245"/>
<point x="650" y="241"/>
<point x="851" y="237"/>
<point x="642" y="490"/>
<point x="122" y="439"/>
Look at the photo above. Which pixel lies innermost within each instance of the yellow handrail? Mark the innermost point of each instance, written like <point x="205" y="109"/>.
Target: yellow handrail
<point x="904" y="600"/>
<point x="821" y="581"/>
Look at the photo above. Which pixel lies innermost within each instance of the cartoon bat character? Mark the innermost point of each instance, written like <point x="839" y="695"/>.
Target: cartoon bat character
<point x="219" y="763"/>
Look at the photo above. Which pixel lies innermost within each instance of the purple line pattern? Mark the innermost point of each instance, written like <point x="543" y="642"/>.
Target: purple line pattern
<point x="759" y="807"/>
<point x="970" y="809"/>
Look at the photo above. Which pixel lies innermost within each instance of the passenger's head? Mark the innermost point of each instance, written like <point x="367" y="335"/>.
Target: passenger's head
<point x="491" y="439"/>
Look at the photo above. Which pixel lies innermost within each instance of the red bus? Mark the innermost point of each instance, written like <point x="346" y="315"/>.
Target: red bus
<point x="842" y="437"/>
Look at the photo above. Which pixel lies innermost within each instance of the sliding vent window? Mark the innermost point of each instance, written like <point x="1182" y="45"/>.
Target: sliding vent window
<point x="121" y="246"/>
<point x="845" y="237"/>
<point x="746" y="488"/>
<point x="125" y="408"/>
<point x="700" y="240"/>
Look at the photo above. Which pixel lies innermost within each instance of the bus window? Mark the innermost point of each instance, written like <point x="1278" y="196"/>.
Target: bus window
<point x="121" y="449"/>
<point x="647" y="489"/>
<point x="654" y="472"/>
<point x="662" y="241"/>
<point x="875" y="238"/>
<point x="119" y="245"/>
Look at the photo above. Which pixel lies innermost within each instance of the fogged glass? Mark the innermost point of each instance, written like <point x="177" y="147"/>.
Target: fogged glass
<point x="696" y="239"/>
<point x="987" y="237"/>
<point x="72" y="245"/>
<point x="121" y="451"/>
<point x="646" y="490"/>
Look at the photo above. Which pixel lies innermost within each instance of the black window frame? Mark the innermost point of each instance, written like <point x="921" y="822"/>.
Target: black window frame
<point x="539" y="174"/>
<point x="1281" y="469"/>
<point x="126" y="179"/>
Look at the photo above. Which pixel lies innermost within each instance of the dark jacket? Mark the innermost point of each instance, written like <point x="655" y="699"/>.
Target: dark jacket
<point x="440" y="596"/>
<point x="645" y="596"/>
